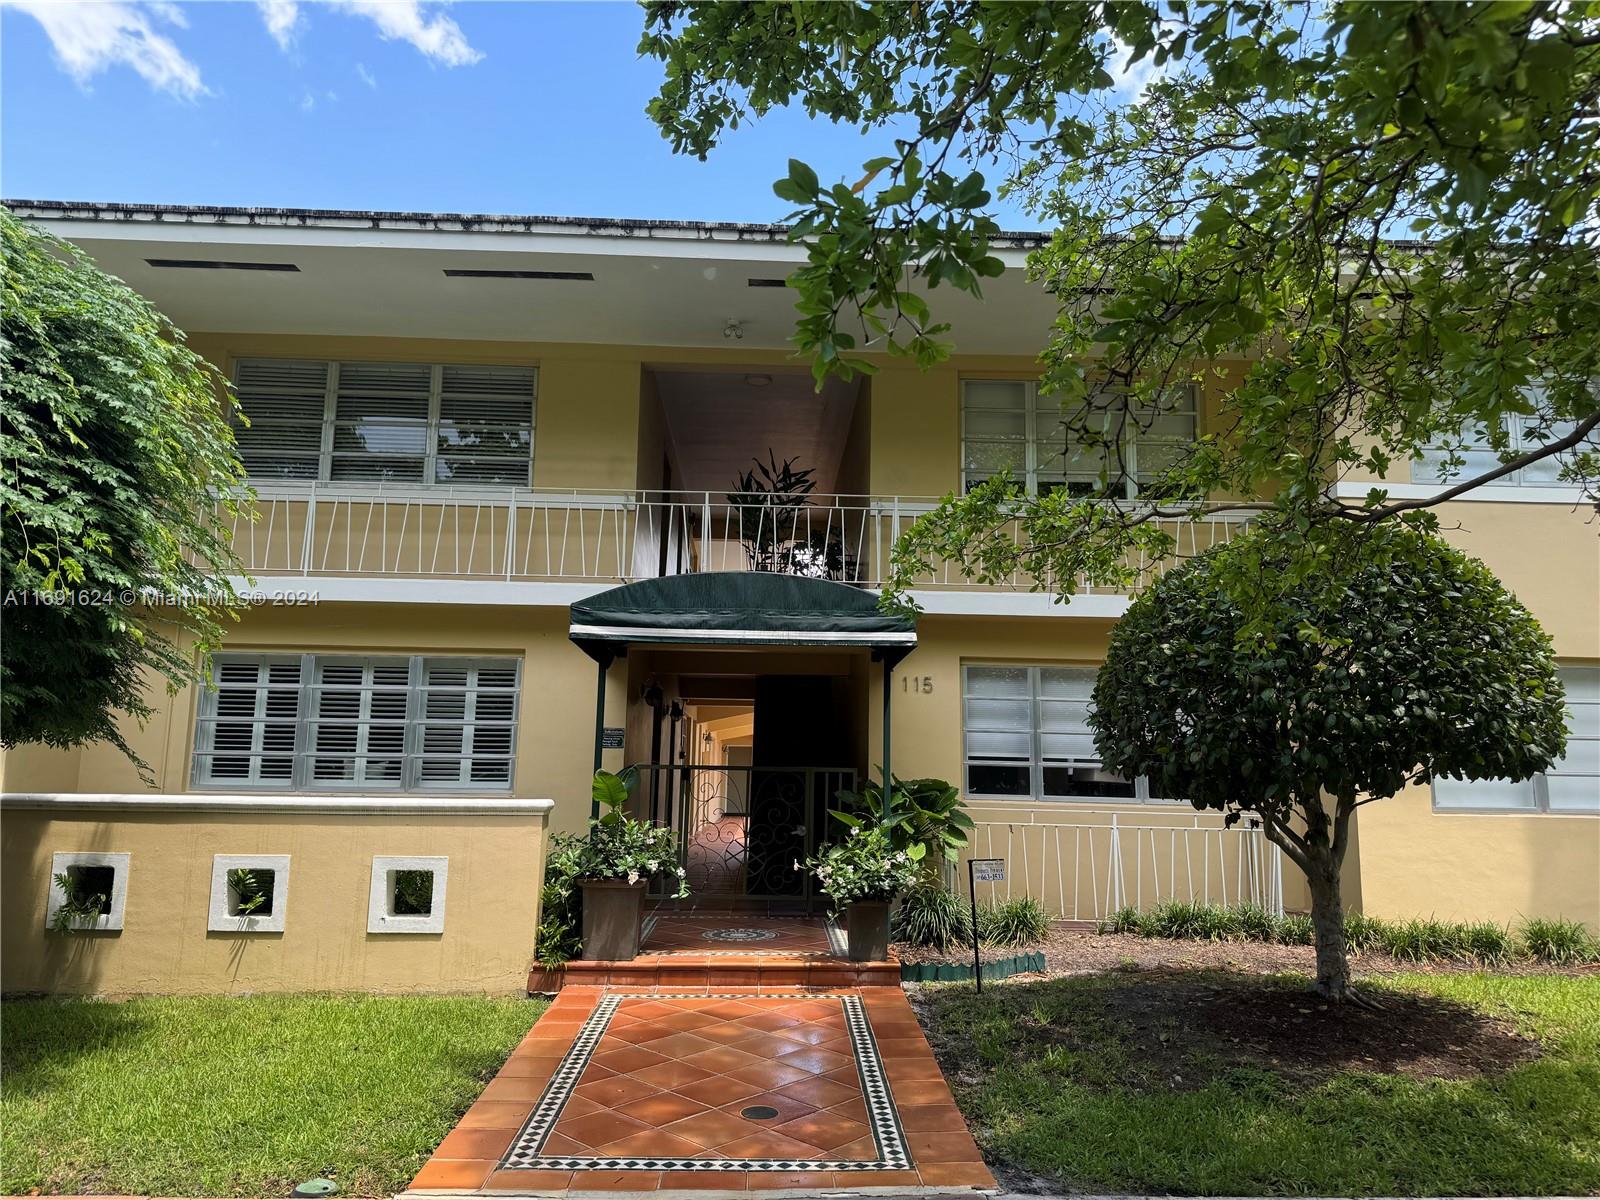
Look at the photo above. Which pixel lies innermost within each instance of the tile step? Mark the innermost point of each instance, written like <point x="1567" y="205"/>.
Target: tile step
<point x="738" y="973"/>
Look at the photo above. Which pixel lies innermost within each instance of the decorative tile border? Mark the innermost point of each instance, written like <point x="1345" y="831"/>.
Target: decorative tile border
<point x="524" y="1153"/>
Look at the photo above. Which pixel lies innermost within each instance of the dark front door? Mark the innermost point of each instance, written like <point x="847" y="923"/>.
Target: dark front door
<point x="798" y="729"/>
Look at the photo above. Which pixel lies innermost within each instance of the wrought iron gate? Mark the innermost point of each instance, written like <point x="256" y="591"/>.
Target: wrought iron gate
<point x="742" y="830"/>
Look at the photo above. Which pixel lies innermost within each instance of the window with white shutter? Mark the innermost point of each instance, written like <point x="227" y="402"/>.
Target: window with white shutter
<point x="391" y="423"/>
<point x="334" y="722"/>
<point x="1026" y="734"/>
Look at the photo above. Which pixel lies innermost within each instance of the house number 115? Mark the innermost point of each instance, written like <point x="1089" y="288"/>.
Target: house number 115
<point x="916" y="683"/>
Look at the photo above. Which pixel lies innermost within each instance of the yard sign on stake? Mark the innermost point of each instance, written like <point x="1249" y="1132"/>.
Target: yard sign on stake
<point x="989" y="870"/>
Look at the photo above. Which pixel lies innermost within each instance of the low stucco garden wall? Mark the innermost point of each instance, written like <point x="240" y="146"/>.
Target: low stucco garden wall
<point x="333" y="857"/>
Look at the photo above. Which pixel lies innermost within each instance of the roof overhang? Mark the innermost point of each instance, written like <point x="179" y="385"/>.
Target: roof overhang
<point x="512" y="279"/>
<point x="738" y="608"/>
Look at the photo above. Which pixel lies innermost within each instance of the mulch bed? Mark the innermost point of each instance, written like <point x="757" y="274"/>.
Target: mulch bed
<point x="1070" y="951"/>
<point x="1280" y="1027"/>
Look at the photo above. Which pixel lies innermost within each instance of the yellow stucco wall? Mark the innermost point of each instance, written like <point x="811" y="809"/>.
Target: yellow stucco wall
<point x="491" y="902"/>
<point x="1477" y="866"/>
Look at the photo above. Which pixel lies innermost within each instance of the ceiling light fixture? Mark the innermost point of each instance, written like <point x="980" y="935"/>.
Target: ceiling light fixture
<point x="733" y="330"/>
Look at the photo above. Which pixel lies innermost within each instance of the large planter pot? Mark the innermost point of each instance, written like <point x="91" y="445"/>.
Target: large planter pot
<point x="613" y="918"/>
<point x="867" y="923"/>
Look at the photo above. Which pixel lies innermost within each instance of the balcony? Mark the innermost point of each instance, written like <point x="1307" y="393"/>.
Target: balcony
<point x="537" y="535"/>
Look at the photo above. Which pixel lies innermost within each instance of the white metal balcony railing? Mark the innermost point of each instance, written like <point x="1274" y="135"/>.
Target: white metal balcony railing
<point x="540" y="534"/>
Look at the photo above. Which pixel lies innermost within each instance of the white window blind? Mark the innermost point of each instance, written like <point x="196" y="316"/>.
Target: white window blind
<point x="1026" y="733"/>
<point x="397" y="423"/>
<point x="286" y="403"/>
<point x="1007" y="425"/>
<point x="335" y="722"/>
<point x="1471" y="446"/>
<point x="1571" y="785"/>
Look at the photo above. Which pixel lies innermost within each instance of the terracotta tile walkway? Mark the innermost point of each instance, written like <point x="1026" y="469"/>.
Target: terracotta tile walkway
<point x="735" y="1091"/>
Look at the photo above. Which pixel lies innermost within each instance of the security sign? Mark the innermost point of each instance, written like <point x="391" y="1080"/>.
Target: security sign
<point x="988" y="870"/>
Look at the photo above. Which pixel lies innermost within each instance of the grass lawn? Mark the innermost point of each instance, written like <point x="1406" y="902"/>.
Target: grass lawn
<point x="244" y="1096"/>
<point x="1200" y="1083"/>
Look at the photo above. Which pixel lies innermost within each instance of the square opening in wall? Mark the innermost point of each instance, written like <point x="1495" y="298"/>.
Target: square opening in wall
<point x="410" y="893"/>
<point x="407" y="893"/>
<point x="88" y="891"/>
<point x="250" y="891"/>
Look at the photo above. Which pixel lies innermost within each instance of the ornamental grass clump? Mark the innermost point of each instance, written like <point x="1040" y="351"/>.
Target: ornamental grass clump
<point x="934" y="918"/>
<point x="1018" y="922"/>
<point x="1558" y="941"/>
<point x="864" y="866"/>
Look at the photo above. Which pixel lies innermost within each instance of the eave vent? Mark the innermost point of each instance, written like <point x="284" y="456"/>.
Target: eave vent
<point x="767" y="282"/>
<point x="473" y="273"/>
<point x="209" y="264"/>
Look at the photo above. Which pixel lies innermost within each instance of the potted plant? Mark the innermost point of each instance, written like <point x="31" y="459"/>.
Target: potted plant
<point x="862" y="875"/>
<point x="621" y="855"/>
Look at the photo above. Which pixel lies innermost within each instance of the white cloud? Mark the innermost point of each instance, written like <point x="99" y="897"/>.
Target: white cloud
<point x="280" y="16"/>
<point x="366" y="76"/>
<point x="436" y="36"/>
<point x="90" y="37"/>
<point x="1132" y="78"/>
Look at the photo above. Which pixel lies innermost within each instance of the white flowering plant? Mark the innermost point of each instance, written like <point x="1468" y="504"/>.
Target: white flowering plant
<point x="624" y="848"/>
<point x="865" y="866"/>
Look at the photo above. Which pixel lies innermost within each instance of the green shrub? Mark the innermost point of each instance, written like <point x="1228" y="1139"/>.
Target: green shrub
<point x="559" y="936"/>
<point x="1559" y="941"/>
<point x="1362" y="932"/>
<point x="1488" y="943"/>
<point x="1124" y="920"/>
<point x="1254" y="923"/>
<point x="1016" y="922"/>
<point x="933" y="917"/>
<point x="1295" y="929"/>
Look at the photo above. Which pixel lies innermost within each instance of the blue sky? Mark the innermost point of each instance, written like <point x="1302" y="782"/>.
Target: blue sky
<point x="478" y="107"/>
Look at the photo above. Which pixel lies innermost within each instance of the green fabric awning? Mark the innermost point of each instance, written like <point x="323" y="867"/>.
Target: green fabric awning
<point x="737" y="608"/>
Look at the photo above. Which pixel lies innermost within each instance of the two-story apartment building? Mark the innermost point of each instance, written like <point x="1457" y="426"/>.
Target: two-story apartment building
<point x="466" y="433"/>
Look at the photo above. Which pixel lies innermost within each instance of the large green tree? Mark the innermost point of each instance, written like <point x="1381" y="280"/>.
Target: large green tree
<point x="1378" y="220"/>
<point x="116" y="459"/>
<point x="1429" y="667"/>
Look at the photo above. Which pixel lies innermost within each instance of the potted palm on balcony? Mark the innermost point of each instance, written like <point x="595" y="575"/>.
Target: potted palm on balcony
<point x="619" y="859"/>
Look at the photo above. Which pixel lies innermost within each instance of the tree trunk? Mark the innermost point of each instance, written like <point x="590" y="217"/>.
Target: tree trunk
<point x="1327" y="920"/>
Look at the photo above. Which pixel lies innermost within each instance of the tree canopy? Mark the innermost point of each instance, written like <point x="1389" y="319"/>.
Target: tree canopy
<point x="1382" y="216"/>
<point x="1431" y="667"/>
<point x="116" y="455"/>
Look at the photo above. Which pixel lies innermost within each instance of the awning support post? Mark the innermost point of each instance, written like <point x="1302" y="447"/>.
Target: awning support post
<point x="604" y="661"/>
<point x="888" y="774"/>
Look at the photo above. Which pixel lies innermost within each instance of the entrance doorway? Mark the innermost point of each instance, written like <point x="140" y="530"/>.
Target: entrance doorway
<point x="749" y="767"/>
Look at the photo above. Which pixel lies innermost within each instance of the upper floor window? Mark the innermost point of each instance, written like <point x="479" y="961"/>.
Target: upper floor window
<point x="1026" y="732"/>
<point x="1476" y="456"/>
<point x="1007" y="425"/>
<point x="1571" y="785"/>
<point x="336" y="722"/>
<point x="386" y="422"/>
